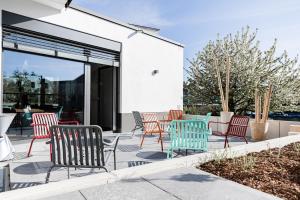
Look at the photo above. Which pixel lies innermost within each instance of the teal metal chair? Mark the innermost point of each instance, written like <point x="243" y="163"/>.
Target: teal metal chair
<point x="188" y="135"/>
<point x="26" y="120"/>
<point x="205" y="119"/>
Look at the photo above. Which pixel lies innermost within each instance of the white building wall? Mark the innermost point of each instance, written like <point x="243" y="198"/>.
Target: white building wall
<point x="1" y="71"/>
<point x="141" y="54"/>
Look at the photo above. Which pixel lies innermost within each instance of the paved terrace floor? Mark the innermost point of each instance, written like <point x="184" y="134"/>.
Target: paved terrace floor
<point x="26" y="172"/>
<point x="177" y="184"/>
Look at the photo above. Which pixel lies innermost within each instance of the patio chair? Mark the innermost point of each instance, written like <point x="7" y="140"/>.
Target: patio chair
<point x="237" y="127"/>
<point x="151" y="126"/>
<point x="26" y="120"/>
<point x="59" y="113"/>
<point x="41" y="126"/>
<point x="175" y="115"/>
<point x="205" y="119"/>
<point x="188" y="135"/>
<point x="172" y="115"/>
<point x="79" y="147"/>
<point x="138" y="121"/>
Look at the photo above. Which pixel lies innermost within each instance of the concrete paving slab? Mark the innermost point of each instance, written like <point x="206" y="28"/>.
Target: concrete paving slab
<point x="184" y="183"/>
<point x="72" y="196"/>
<point x="127" y="190"/>
<point x="191" y="183"/>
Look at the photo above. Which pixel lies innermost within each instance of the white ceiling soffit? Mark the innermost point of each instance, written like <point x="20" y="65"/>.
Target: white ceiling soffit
<point x="57" y="4"/>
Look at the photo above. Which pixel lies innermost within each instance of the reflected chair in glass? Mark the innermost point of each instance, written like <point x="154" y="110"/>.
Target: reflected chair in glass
<point x="26" y="120"/>
<point x="59" y="113"/>
<point x="41" y="126"/>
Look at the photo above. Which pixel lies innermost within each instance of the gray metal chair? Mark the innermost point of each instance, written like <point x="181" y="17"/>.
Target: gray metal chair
<point x="138" y="121"/>
<point x="80" y="147"/>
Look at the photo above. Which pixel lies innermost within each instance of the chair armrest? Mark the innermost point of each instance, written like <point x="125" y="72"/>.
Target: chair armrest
<point x="68" y="122"/>
<point x="33" y="124"/>
<point x="164" y="120"/>
<point x="149" y="122"/>
<point x="239" y="125"/>
<point x="212" y="122"/>
<point x="112" y="144"/>
<point x="218" y="122"/>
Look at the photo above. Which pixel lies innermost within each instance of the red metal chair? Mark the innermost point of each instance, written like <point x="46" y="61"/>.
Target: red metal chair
<point x="41" y="123"/>
<point x="175" y="115"/>
<point x="152" y="126"/>
<point x="172" y="115"/>
<point x="237" y="127"/>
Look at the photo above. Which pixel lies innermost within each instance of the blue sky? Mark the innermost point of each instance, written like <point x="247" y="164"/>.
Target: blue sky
<point x="195" y="22"/>
<point x="190" y="22"/>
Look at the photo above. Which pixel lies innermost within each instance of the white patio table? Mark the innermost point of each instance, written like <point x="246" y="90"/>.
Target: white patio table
<point x="6" y="148"/>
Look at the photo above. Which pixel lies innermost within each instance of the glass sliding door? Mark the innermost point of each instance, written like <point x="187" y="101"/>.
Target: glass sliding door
<point x="33" y="83"/>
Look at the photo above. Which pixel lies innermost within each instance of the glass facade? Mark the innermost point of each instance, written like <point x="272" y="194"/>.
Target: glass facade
<point x="33" y="83"/>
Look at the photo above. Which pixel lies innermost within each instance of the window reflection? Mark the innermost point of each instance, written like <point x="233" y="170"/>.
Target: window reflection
<point x="34" y="83"/>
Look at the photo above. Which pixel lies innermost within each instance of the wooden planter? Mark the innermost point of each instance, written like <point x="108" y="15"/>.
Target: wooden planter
<point x="259" y="130"/>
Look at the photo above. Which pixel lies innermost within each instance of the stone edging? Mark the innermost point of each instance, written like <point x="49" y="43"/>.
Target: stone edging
<point x="71" y="185"/>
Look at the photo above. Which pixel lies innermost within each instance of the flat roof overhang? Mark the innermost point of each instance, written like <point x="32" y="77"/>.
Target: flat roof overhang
<point x="57" y="4"/>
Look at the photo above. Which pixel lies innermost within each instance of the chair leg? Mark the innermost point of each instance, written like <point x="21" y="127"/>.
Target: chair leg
<point x="48" y="174"/>
<point x="142" y="140"/>
<point x="161" y="143"/>
<point x="28" y="154"/>
<point x="245" y="140"/>
<point x="133" y="130"/>
<point x="50" y="152"/>
<point x="226" y="142"/>
<point x="170" y="153"/>
<point x="115" y="164"/>
<point x="68" y="172"/>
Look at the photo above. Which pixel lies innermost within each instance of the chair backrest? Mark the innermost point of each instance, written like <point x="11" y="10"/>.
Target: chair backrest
<point x="77" y="146"/>
<point x="207" y="117"/>
<point x="138" y="119"/>
<point x="58" y="114"/>
<point x="26" y="119"/>
<point x="175" y="115"/>
<point x="42" y="123"/>
<point x="189" y="134"/>
<point x="150" y="117"/>
<point x="238" y="126"/>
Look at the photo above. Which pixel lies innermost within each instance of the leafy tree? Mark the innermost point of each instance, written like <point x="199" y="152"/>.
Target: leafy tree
<point x="251" y="68"/>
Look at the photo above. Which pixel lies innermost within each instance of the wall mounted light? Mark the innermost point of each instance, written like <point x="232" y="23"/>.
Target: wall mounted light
<point x="154" y="72"/>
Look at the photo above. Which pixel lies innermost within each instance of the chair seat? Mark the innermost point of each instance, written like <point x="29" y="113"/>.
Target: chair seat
<point x="218" y="133"/>
<point x="42" y="137"/>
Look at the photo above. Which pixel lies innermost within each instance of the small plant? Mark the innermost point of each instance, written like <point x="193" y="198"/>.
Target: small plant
<point x="248" y="162"/>
<point x="296" y="147"/>
<point x="218" y="156"/>
<point x="279" y="153"/>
